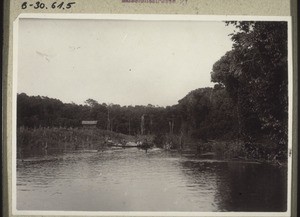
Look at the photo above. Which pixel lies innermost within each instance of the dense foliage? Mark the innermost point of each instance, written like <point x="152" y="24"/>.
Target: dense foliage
<point x="255" y="74"/>
<point x="39" y="111"/>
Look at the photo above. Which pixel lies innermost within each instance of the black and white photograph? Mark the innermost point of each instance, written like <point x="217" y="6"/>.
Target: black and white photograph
<point x="147" y="114"/>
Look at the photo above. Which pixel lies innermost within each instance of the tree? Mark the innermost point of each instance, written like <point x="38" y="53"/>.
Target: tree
<point x="91" y="102"/>
<point x="255" y="74"/>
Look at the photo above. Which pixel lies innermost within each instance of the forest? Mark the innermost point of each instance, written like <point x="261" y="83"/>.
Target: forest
<point x="247" y="107"/>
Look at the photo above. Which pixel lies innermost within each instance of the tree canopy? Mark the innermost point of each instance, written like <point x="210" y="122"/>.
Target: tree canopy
<point x="255" y="74"/>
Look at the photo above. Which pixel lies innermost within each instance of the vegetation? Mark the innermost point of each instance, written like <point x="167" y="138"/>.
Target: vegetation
<point x="245" y="115"/>
<point x="255" y="75"/>
<point x="67" y="138"/>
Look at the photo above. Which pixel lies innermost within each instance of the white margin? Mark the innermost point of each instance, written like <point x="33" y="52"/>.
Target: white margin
<point x="14" y="114"/>
<point x="148" y="17"/>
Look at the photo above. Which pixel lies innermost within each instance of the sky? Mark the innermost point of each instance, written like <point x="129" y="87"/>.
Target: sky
<point x="118" y="61"/>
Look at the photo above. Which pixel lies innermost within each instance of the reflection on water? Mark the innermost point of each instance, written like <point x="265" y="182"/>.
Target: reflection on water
<point x="132" y="180"/>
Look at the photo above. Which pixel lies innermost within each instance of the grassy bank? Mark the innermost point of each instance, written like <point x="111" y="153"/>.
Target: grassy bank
<point x="66" y="138"/>
<point x="84" y="138"/>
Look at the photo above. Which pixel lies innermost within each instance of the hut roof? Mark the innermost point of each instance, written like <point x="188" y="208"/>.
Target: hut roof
<point x="89" y="122"/>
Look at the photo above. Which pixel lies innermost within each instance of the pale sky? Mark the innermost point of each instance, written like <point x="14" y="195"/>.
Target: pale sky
<point x="120" y="62"/>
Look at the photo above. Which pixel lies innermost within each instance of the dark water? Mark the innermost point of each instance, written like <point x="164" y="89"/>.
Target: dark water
<point x="132" y="180"/>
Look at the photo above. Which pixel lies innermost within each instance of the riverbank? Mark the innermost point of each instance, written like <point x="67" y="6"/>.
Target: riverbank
<point x="67" y="138"/>
<point x="62" y="139"/>
<point x="239" y="150"/>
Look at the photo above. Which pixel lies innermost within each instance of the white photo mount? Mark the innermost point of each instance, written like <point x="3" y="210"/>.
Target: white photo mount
<point x="136" y="18"/>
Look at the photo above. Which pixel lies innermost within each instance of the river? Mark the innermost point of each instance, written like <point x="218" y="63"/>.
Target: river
<point x="132" y="180"/>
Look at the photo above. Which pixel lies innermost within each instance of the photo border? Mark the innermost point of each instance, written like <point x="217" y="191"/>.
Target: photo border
<point x="152" y="17"/>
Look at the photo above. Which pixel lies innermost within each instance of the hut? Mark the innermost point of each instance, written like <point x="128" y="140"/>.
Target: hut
<point x="89" y="124"/>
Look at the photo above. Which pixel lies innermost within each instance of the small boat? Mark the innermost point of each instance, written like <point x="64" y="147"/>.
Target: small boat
<point x="114" y="144"/>
<point x="90" y="150"/>
<point x="124" y="145"/>
<point x="208" y="155"/>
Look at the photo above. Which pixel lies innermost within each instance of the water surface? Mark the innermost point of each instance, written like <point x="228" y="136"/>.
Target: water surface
<point x="132" y="180"/>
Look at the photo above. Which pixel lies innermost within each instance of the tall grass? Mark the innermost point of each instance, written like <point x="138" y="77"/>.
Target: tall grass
<point x="65" y="138"/>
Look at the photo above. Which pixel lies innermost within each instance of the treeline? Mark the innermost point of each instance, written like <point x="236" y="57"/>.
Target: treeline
<point x="248" y="104"/>
<point x="205" y="113"/>
<point x="40" y="111"/>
